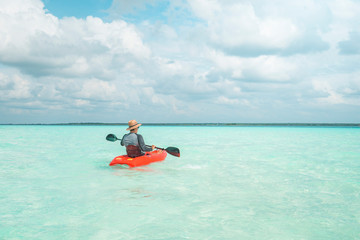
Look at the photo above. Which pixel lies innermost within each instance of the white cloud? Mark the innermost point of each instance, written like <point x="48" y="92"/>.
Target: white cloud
<point x="332" y="96"/>
<point x="238" y="25"/>
<point x="261" y="67"/>
<point x="229" y="57"/>
<point x="339" y="88"/>
<point x="81" y="102"/>
<point x="344" y="23"/>
<point x="272" y="68"/>
<point x="255" y="28"/>
<point x="14" y="87"/>
<point x="228" y="101"/>
<point x="345" y="9"/>
<point x="97" y="90"/>
<point x="41" y="44"/>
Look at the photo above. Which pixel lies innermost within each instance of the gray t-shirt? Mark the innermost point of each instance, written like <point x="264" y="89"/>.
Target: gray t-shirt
<point x="135" y="139"/>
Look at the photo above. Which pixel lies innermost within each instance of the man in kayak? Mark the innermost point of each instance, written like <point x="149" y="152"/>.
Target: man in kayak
<point x="134" y="142"/>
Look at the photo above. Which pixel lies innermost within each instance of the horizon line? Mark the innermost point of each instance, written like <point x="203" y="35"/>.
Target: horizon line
<point x="191" y="124"/>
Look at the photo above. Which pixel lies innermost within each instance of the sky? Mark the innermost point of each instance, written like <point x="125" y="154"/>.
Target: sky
<point x="180" y="61"/>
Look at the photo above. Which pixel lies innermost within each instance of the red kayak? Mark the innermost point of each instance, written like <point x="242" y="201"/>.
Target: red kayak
<point x="149" y="157"/>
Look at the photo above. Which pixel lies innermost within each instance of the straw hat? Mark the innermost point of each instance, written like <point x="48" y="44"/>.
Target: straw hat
<point x="133" y="124"/>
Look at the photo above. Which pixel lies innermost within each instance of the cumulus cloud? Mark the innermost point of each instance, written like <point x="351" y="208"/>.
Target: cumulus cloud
<point x="237" y="25"/>
<point x="85" y="60"/>
<point x="196" y="60"/>
<point x="244" y="28"/>
<point x="41" y="44"/>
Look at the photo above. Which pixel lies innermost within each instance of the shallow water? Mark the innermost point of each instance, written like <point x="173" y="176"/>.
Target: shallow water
<point x="229" y="183"/>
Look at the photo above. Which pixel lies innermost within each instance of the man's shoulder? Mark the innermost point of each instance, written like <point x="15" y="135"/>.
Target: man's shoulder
<point x="133" y="134"/>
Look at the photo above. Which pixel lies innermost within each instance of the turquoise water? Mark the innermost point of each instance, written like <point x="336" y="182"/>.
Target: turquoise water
<point x="229" y="183"/>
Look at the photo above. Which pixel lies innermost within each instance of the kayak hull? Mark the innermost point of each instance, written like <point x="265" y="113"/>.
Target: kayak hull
<point x="149" y="157"/>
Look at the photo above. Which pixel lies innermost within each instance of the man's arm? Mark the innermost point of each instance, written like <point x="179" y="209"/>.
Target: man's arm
<point x="142" y="145"/>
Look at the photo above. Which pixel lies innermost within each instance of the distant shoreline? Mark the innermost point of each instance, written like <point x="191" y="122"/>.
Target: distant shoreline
<point x="194" y="124"/>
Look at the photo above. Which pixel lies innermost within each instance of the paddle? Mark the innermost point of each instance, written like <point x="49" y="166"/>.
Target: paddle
<point x="171" y="150"/>
<point x="111" y="138"/>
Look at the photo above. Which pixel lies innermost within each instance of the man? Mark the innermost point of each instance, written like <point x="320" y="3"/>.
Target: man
<point x="134" y="143"/>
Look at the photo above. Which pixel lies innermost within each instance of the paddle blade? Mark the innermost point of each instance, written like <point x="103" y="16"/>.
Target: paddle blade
<point x="111" y="138"/>
<point x="173" y="151"/>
